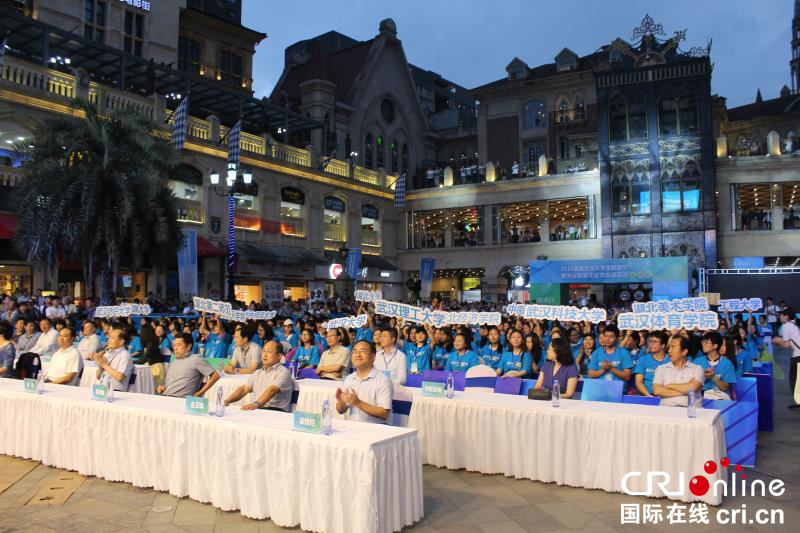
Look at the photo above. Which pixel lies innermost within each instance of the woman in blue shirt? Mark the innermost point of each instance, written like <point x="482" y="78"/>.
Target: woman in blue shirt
<point x="742" y="359"/>
<point x="418" y="353"/>
<point x="307" y="354"/>
<point x="461" y="358"/>
<point x="588" y="347"/>
<point x="164" y="344"/>
<point x="443" y="346"/>
<point x="516" y="361"/>
<point x="719" y="369"/>
<point x="533" y="345"/>
<point x="559" y="366"/>
<point x="492" y="351"/>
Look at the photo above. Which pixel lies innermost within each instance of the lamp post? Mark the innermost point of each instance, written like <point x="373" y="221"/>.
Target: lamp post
<point x="231" y="177"/>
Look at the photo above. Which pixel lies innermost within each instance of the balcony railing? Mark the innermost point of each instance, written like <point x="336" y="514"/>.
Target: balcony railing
<point x="334" y="232"/>
<point x="370" y="238"/>
<point x="291" y="154"/>
<point x="190" y="211"/>
<point x="367" y="175"/>
<point x="293" y="227"/>
<point x="338" y="167"/>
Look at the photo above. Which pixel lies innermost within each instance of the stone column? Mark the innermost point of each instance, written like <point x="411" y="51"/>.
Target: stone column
<point x="722" y="146"/>
<point x="773" y="143"/>
<point x="214" y="127"/>
<point x="543" y="165"/>
<point x="448" y="176"/>
<point x="491" y="175"/>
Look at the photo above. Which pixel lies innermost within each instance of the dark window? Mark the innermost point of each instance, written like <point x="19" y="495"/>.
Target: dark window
<point x="617" y="119"/>
<point x="387" y="110"/>
<point x="534" y="115"/>
<point x="637" y="117"/>
<point x="404" y="158"/>
<point x="134" y="33"/>
<point x="188" y="55"/>
<point x="231" y="68"/>
<point x="379" y="152"/>
<point x="393" y="152"/>
<point x="368" y="150"/>
<point x="667" y="116"/>
<point x="687" y="114"/>
<point x="94" y="20"/>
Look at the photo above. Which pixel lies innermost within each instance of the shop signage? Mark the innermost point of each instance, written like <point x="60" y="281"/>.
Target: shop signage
<point x="141" y="4"/>
<point x="335" y="270"/>
<point x="293" y="195"/>
<point x="369" y="211"/>
<point x="334" y="204"/>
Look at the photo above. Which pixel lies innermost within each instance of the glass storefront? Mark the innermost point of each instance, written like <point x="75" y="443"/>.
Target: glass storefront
<point x="458" y="227"/>
<point x="753" y="207"/>
<point x="15" y="278"/>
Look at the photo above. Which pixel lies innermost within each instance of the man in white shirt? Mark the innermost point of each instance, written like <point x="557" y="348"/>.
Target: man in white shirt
<point x="90" y="343"/>
<point x="790" y="339"/>
<point x="65" y="366"/>
<point x="56" y="311"/>
<point x="47" y="342"/>
<point x="271" y="384"/>
<point x="366" y="394"/>
<point x="115" y="361"/>
<point x="246" y="354"/>
<point x="390" y="360"/>
<point x="771" y="310"/>
<point x="673" y="381"/>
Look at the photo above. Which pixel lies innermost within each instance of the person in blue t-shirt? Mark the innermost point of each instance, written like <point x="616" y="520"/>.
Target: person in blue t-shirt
<point x="307" y="354"/>
<point x="442" y="347"/>
<point x="584" y="355"/>
<point x="645" y="369"/>
<point x="516" y="361"/>
<point x="492" y="351"/>
<point x="288" y="334"/>
<point x="461" y="358"/>
<point x="611" y="362"/>
<point x="135" y="345"/>
<point x="418" y="353"/>
<point x="733" y="344"/>
<point x="215" y="342"/>
<point x="720" y="371"/>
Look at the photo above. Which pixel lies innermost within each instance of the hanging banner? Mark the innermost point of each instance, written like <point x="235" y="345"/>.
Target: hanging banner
<point x="558" y="312"/>
<point x="187" y="264"/>
<point x="426" y="267"/>
<point x="353" y="262"/>
<point x="224" y="310"/>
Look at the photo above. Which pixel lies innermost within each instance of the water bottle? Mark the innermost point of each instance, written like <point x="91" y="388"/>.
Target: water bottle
<point x="451" y="386"/>
<point x="40" y="382"/>
<point x="414" y="368"/>
<point x="692" y="409"/>
<point x="555" y="396"/>
<point x="346" y="370"/>
<point x="109" y="383"/>
<point x="327" y="428"/>
<point x="220" y="401"/>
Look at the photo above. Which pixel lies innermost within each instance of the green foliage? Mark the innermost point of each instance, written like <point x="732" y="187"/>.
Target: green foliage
<point x="95" y="190"/>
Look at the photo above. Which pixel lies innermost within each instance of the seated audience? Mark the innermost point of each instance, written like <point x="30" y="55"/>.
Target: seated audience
<point x="335" y="359"/>
<point x="673" y="381"/>
<point x="560" y="365"/>
<point x="611" y="361"/>
<point x="366" y="394"/>
<point x="7" y="351"/>
<point x="65" y="365"/>
<point x="271" y="384"/>
<point x="390" y="359"/>
<point x="719" y="371"/>
<point x="187" y="371"/>
<point x="115" y="360"/>
<point x="246" y="354"/>
<point x="646" y="367"/>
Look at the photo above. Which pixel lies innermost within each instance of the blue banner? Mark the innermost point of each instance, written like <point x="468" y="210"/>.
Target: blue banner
<point x="748" y="262"/>
<point x="187" y="265"/>
<point x="649" y="270"/>
<point x="353" y="263"/>
<point x="426" y="267"/>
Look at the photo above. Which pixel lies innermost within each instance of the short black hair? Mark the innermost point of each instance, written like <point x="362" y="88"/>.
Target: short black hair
<point x="391" y="331"/>
<point x="611" y="328"/>
<point x="789" y="313"/>
<point x="6" y="331"/>
<point x="713" y="337"/>
<point x="368" y="343"/>
<point x="187" y="339"/>
<point x="245" y="331"/>
<point x="661" y="336"/>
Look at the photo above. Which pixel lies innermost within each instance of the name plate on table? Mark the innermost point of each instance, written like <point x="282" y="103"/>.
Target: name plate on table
<point x="433" y="388"/>
<point x="30" y="385"/>
<point x="196" y="406"/>
<point x="99" y="392"/>
<point x="308" y="422"/>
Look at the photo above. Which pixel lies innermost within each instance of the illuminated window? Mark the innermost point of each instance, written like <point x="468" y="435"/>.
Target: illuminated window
<point x="370" y="226"/>
<point x="292" y="212"/>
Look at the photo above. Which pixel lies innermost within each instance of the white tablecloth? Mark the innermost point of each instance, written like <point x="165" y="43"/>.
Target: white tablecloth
<point x="145" y="384"/>
<point x="229" y="383"/>
<point x="581" y="444"/>
<point x="315" y="391"/>
<point x="364" y="478"/>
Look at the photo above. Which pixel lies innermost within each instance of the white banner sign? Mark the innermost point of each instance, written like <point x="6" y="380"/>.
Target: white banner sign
<point x="224" y="310"/>
<point x="678" y="305"/>
<point x="564" y="313"/>
<point x="688" y="320"/>
<point x="741" y="304"/>
<point x="434" y="318"/>
<point x="348" y="322"/>
<point x="368" y="296"/>
<point x="122" y="310"/>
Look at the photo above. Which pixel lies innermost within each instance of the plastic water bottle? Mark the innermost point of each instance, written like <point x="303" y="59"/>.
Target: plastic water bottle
<point x="345" y="370"/>
<point x="414" y="368"/>
<point x="110" y="388"/>
<point x="555" y="396"/>
<point x="327" y="428"/>
<point x="451" y="386"/>
<point x="40" y="382"/>
<point x="691" y="408"/>
<point x="220" y="401"/>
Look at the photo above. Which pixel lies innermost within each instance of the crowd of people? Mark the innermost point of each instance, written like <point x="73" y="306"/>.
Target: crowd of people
<point x="373" y="359"/>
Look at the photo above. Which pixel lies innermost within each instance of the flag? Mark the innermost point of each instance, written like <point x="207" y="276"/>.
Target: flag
<point x="353" y="262"/>
<point x="234" y="144"/>
<point x="426" y="267"/>
<point x="179" y="126"/>
<point x="2" y="53"/>
<point x="400" y="192"/>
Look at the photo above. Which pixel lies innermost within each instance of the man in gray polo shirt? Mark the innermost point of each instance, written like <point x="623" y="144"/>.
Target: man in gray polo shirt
<point x="674" y="380"/>
<point x="271" y="384"/>
<point x="246" y="354"/>
<point x="186" y="371"/>
<point x="366" y="393"/>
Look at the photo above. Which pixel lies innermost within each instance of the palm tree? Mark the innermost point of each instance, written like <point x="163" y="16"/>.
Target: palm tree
<point x="95" y="190"/>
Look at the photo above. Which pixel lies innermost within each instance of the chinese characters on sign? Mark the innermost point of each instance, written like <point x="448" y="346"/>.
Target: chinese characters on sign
<point x="224" y="310"/>
<point x="122" y="310"/>
<point x="686" y="313"/>
<point x="740" y="304"/>
<point x="347" y="322"/>
<point x="141" y="4"/>
<point x="558" y="312"/>
<point x="434" y="318"/>
<point x="634" y="513"/>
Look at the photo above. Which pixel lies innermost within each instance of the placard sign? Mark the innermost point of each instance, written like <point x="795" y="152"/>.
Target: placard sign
<point x="196" y="406"/>
<point x="368" y="296"/>
<point x="30" y="385"/>
<point x="435" y="318"/>
<point x="122" y="310"/>
<point x="308" y="422"/>
<point x="224" y="310"/>
<point x="99" y="392"/>
<point x="558" y="312"/>
<point x="433" y="388"/>
<point x="347" y="322"/>
<point x="677" y="305"/>
<point x="740" y="304"/>
<point x="689" y="320"/>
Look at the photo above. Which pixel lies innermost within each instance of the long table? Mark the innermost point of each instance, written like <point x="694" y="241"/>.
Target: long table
<point x="363" y="478"/>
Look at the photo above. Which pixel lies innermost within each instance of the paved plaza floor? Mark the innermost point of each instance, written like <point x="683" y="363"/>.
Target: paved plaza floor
<point x="456" y="501"/>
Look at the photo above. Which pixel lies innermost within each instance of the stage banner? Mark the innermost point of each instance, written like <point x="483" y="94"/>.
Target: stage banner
<point x="647" y="270"/>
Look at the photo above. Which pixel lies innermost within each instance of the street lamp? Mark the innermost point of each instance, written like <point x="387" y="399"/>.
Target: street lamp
<point x="231" y="177"/>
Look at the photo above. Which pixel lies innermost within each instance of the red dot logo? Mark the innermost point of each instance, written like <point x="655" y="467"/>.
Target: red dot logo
<point x="744" y="475"/>
<point x="710" y="467"/>
<point x="725" y="461"/>
<point x="698" y="485"/>
<point x="738" y="467"/>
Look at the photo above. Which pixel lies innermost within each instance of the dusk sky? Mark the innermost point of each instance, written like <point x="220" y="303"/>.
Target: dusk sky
<point x="470" y="42"/>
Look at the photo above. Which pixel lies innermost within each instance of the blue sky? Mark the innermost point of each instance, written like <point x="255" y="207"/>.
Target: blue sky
<point x="471" y="41"/>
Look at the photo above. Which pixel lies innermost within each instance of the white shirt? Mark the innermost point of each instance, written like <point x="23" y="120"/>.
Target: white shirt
<point x="394" y="362"/>
<point x="376" y="389"/>
<point x="668" y="374"/>
<point x="47" y="342"/>
<point x="89" y="345"/>
<point x="55" y="312"/>
<point x="120" y="360"/>
<point x="65" y="362"/>
<point x="791" y="334"/>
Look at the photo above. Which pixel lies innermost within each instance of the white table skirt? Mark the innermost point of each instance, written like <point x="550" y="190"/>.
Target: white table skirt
<point x="145" y="384"/>
<point x="581" y="444"/>
<point x="312" y="392"/>
<point x="229" y="383"/>
<point x="364" y="478"/>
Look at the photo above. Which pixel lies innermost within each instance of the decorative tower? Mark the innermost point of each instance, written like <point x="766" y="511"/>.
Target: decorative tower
<point x="794" y="64"/>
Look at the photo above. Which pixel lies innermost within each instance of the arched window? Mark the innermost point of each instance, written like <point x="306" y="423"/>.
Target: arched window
<point x="631" y="196"/>
<point x="368" y="150"/>
<point x="379" y="152"/>
<point x="334" y="221"/>
<point x="370" y="227"/>
<point x="293" y="212"/>
<point x="580" y="108"/>
<point x="534" y="115"/>
<point x="617" y="119"/>
<point x="687" y="113"/>
<point x="404" y="157"/>
<point x="393" y="152"/>
<point x="562" y="112"/>
<point x="667" y="115"/>
<point x="637" y="117"/>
